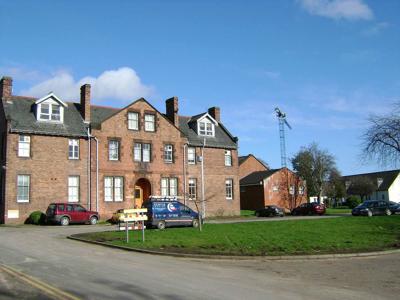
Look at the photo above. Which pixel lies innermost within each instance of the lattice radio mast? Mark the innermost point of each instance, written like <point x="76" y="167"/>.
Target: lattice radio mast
<point x="282" y="121"/>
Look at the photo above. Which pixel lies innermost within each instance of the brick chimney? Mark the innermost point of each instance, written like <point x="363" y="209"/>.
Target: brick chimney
<point x="171" y="107"/>
<point x="85" y="102"/>
<point x="6" y="87"/>
<point x="215" y="112"/>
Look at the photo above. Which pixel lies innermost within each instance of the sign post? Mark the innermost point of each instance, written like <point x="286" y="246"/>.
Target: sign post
<point x="135" y="216"/>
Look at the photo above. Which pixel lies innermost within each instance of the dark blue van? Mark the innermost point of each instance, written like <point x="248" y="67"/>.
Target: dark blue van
<point x="168" y="211"/>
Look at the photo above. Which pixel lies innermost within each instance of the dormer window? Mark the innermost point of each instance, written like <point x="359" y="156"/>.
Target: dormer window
<point x="206" y="128"/>
<point x="50" y="108"/>
<point x="49" y="112"/>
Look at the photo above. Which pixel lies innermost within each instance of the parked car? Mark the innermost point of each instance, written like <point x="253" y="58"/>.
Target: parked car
<point x="115" y="217"/>
<point x="269" y="211"/>
<point x="309" y="209"/>
<point x="165" y="212"/>
<point x="66" y="213"/>
<point x="371" y="208"/>
<point x="394" y="207"/>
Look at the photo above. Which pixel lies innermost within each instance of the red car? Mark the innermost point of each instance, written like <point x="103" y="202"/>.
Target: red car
<point x="309" y="209"/>
<point x="66" y="213"/>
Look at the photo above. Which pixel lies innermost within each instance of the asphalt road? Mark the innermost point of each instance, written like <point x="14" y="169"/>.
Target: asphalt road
<point x="95" y="272"/>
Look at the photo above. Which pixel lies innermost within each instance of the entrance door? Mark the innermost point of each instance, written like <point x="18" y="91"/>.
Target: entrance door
<point x="142" y="192"/>
<point x="138" y="196"/>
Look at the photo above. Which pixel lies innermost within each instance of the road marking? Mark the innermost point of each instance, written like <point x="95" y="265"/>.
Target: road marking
<point x="44" y="287"/>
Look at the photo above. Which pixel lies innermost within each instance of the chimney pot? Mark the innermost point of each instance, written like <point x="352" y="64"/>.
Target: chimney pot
<point x="215" y="112"/>
<point x="85" y="102"/>
<point x="6" y="87"/>
<point x="171" y="107"/>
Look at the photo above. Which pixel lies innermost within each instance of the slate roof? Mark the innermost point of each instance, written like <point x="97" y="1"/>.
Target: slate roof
<point x="222" y="139"/>
<point x="387" y="176"/>
<point x="22" y="119"/>
<point x="243" y="158"/>
<point x="256" y="177"/>
<point x="20" y="113"/>
<point x="100" y="113"/>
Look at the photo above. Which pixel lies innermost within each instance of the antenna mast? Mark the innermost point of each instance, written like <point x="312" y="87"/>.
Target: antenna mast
<point x="282" y="121"/>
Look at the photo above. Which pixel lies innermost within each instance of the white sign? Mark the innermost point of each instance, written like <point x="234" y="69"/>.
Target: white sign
<point x="13" y="214"/>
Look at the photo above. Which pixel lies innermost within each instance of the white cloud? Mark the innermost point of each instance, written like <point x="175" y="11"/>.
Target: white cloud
<point x="122" y="84"/>
<point x="338" y="9"/>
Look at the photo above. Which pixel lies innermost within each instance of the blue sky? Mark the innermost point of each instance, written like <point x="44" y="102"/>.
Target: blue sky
<point x="328" y="64"/>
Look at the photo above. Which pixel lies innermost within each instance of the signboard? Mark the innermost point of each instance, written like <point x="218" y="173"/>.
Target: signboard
<point x="13" y="214"/>
<point x="133" y="219"/>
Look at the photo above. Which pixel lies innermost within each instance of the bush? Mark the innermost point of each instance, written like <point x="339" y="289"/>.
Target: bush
<point x="37" y="218"/>
<point x="353" y="201"/>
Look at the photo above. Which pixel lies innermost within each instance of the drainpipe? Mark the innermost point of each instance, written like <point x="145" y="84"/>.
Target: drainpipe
<point x="97" y="173"/>
<point x="184" y="173"/>
<point x="89" y="202"/>
<point x="203" y="201"/>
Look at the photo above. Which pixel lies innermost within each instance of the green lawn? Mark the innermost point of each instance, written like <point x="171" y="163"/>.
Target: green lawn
<point x="336" y="235"/>
<point x="335" y="211"/>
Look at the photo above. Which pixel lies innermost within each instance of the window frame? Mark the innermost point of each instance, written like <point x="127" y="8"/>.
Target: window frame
<point x="147" y="122"/>
<point x="166" y="189"/>
<point x="142" y="153"/>
<point x="75" y="148"/>
<point x="192" y="185"/>
<point x="191" y="162"/>
<point x="49" y="116"/>
<point x="21" y="143"/>
<point x="110" y="142"/>
<point x="168" y="153"/>
<point x="130" y="113"/>
<point x="207" y="132"/>
<point x="111" y="197"/>
<point x="77" y="187"/>
<point x="229" y="185"/>
<point x="228" y="155"/>
<point x="27" y="199"/>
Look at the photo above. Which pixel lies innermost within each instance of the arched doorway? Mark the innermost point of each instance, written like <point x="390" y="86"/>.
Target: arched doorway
<point x="142" y="191"/>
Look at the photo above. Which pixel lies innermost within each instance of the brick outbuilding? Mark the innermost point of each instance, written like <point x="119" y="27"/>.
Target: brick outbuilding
<point x="261" y="186"/>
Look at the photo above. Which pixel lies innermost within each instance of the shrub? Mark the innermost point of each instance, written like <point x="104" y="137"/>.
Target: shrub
<point x="353" y="201"/>
<point x="37" y="218"/>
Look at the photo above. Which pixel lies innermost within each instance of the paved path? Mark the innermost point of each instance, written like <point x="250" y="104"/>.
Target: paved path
<point x="93" y="272"/>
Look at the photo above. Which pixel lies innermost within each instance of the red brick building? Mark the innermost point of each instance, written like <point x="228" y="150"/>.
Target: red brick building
<point x="110" y="158"/>
<point x="260" y="186"/>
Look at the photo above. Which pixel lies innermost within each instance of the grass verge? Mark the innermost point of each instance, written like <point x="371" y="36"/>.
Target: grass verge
<point x="335" y="211"/>
<point x="320" y="236"/>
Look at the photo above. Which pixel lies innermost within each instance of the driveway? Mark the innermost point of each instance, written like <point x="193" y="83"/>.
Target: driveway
<point x="94" y="272"/>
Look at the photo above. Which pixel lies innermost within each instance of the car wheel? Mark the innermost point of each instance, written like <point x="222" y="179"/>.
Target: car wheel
<point x="93" y="220"/>
<point x="64" y="221"/>
<point x="195" y="223"/>
<point x="257" y="214"/>
<point x="161" y="225"/>
<point x="388" y="212"/>
<point x="369" y="213"/>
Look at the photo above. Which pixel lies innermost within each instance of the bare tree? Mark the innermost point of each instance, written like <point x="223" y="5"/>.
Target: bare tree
<point x="314" y="165"/>
<point x="381" y="141"/>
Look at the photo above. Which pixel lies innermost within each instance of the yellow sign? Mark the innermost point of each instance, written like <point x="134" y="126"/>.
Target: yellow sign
<point x="133" y="215"/>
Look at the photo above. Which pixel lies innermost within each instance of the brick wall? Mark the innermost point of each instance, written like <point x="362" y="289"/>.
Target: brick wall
<point x="117" y="127"/>
<point x="215" y="174"/>
<point x="280" y="196"/>
<point x="250" y="165"/>
<point x="49" y="168"/>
